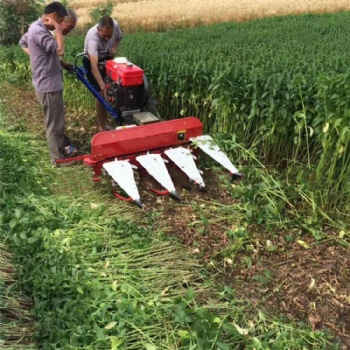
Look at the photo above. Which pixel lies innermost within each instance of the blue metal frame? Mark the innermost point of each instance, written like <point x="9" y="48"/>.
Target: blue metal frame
<point x="80" y="73"/>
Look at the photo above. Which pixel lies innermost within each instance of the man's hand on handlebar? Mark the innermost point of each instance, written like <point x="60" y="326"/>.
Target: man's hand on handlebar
<point x="104" y="92"/>
<point x="67" y="66"/>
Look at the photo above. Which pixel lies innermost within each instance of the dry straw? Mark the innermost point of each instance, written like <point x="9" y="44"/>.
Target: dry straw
<point x="150" y="14"/>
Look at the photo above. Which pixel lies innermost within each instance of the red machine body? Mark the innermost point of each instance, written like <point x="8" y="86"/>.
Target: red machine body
<point x="149" y="144"/>
<point x="130" y="141"/>
<point x="128" y="74"/>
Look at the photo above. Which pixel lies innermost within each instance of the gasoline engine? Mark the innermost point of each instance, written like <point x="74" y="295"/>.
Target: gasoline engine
<point x="128" y="92"/>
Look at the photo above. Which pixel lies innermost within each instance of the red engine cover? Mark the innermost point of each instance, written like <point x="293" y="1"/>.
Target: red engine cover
<point x="140" y="139"/>
<point x="126" y="75"/>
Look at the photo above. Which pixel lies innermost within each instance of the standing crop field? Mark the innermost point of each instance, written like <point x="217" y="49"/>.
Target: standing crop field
<point x="277" y="86"/>
<point x="156" y="14"/>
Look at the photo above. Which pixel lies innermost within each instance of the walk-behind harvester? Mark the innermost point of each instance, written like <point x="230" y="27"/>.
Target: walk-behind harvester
<point x="141" y="141"/>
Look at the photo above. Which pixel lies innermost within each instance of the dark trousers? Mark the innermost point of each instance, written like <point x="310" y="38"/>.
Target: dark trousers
<point x="53" y="109"/>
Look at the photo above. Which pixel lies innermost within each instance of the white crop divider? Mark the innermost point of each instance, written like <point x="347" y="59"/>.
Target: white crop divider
<point x="155" y="166"/>
<point x="207" y="144"/>
<point x="184" y="159"/>
<point x="121" y="171"/>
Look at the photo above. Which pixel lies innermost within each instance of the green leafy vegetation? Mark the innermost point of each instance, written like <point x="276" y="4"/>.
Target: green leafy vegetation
<point x="99" y="11"/>
<point x="15" y="17"/>
<point x="275" y="95"/>
<point x="98" y="281"/>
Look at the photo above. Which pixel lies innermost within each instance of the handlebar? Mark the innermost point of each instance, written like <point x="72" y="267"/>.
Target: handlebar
<point x="102" y="55"/>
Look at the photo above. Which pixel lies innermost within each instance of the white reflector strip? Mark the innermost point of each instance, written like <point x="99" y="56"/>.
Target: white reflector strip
<point x="121" y="172"/>
<point x="183" y="158"/>
<point x="207" y="144"/>
<point x="155" y="166"/>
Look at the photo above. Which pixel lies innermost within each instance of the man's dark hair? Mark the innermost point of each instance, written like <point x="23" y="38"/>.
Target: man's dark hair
<point x="105" y="21"/>
<point x="56" y="7"/>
